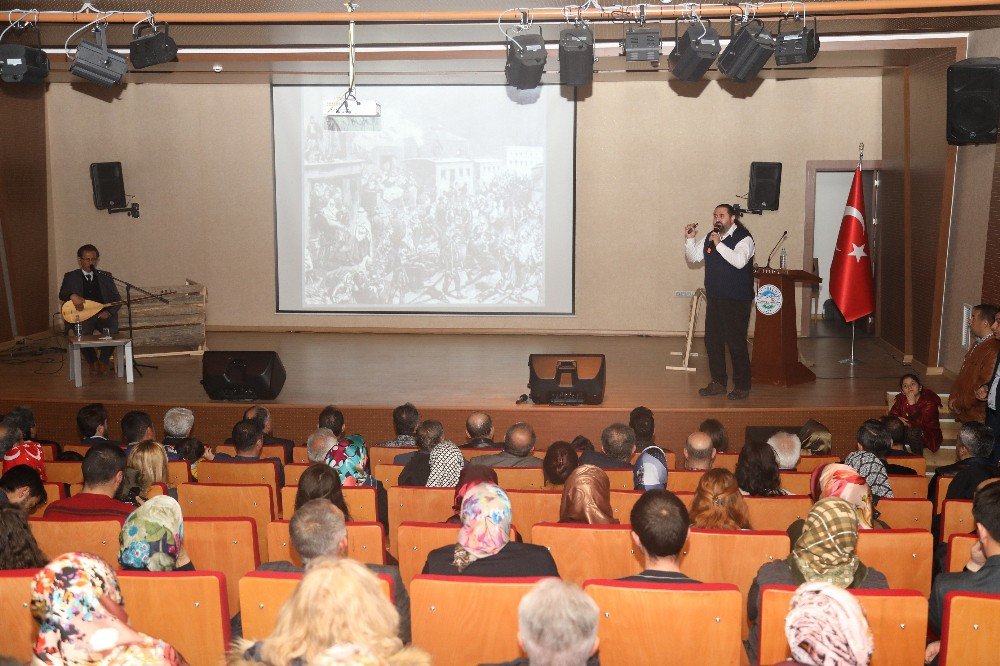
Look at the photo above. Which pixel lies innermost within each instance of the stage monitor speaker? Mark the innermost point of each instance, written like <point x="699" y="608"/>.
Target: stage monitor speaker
<point x="109" y="186"/>
<point x="973" y="101"/>
<point x="765" y="186"/>
<point x="242" y="375"/>
<point x="566" y="379"/>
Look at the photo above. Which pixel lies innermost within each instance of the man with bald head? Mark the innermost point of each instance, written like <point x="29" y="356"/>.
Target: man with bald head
<point x="518" y="444"/>
<point x="262" y="417"/>
<point x="698" y="451"/>
<point x="479" y="431"/>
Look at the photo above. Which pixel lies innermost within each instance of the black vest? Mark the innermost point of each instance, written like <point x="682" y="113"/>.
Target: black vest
<point x="722" y="279"/>
<point x="92" y="290"/>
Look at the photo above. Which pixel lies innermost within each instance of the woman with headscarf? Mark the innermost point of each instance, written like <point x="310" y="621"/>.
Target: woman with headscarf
<point x="81" y="614"/>
<point x="872" y="469"/>
<point x="586" y="497"/>
<point x="824" y="552"/>
<point x="718" y="503"/>
<point x="152" y="538"/>
<point x="349" y="458"/>
<point x="484" y="547"/>
<point x="446" y="466"/>
<point x="472" y="475"/>
<point x="826" y="625"/>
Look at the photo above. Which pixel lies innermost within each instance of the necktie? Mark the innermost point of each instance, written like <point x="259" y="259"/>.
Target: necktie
<point x="90" y="278"/>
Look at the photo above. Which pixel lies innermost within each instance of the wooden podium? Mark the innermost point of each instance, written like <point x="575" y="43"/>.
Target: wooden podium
<point x="775" y="340"/>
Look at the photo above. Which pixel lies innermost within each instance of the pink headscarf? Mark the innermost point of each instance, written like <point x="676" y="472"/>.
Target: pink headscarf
<point x="486" y="516"/>
<point x="826" y="626"/>
<point x="842" y="481"/>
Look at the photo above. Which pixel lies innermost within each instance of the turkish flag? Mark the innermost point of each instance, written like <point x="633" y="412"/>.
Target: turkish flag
<point x="851" y="284"/>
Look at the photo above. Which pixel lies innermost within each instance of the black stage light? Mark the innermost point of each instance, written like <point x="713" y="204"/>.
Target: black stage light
<point x="576" y="56"/>
<point x="525" y="60"/>
<point x="23" y="64"/>
<point x="155" y="48"/>
<point x="96" y="63"/>
<point x="694" y="52"/>
<point x="642" y="44"/>
<point x="796" y="46"/>
<point x="748" y="51"/>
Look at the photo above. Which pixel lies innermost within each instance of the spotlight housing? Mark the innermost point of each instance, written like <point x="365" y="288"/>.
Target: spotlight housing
<point x="96" y="63"/>
<point x="694" y="51"/>
<point x="155" y="48"/>
<point x="525" y="60"/>
<point x="576" y="56"/>
<point x="642" y="44"/>
<point x="796" y="46"/>
<point x="748" y="51"/>
<point x="24" y="64"/>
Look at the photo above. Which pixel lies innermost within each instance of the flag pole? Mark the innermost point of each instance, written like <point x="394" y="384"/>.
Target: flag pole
<point x="852" y="360"/>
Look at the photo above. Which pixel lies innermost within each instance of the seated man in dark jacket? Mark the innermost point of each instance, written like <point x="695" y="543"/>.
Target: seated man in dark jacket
<point x="518" y="444"/>
<point x="618" y="442"/>
<point x="973" y="448"/>
<point x="248" y="439"/>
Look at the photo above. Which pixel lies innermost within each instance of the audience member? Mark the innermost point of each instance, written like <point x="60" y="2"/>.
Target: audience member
<point x="518" y="443"/>
<point x="193" y="451"/>
<point x="149" y="458"/>
<point x="873" y="441"/>
<point x="262" y="416"/>
<point x="816" y="438"/>
<point x="698" y="451"/>
<point x="16" y="445"/>
<point x="977" y="367"/>
<point x="18" y="548"/>
<point x="178" y="423"/>
<point x="757" y="471"/>
<point x="557" y="626"/>
<point x="718" y="503"/>
<point x="405" y="419"/>
<point x="446" y="464"/>
<point x="81" y="615"/>
<point x="319" y="444"/>
<point x="659" y="529"/>
<point x="618" y="442"/>
<point x="989" y="393"/>
<point x="917" y="407"/>
<point x="825" y="552"/>
<point x="103" y="469"/>
<point x="560" y="459"/>
<point x="21" y="486"/>
<point x="479" y="431"/>
<point x="152" y="538"/>
<point x="843" y="481"/>
<point x="826" y="625"/>
<point x="787" y="449"/>
<point x="137" y="426"/>
<point x="92" y="422"/>
<point x="643" y="424"/>
<point x="717" y="433"/>
<point x="321" y="482"/>
<point x="418" y="469"/>
<point x="471" y="476"/>
<point x="582" y="445"/>
<point x="586" y="497"/>
<point x="349" y="458"/>
<point x="333" y="419"/>
<point x="484" y="547"/>
<point x="650" y="469"/>
<point x="248" y="440"/>
<point x="903" y="445"/>
<point x="972" y="466"/>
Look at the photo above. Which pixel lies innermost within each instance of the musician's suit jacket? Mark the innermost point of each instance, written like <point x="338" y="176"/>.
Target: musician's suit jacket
<point x="73" y="283"/>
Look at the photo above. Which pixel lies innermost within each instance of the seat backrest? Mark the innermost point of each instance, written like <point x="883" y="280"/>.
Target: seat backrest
<point x="942" y="491"/>
<point x="228" y="545"/>
<point x="583" y="552"/>
<point x="621" y="479"/>
<point x="777" y="513"/>
<point x="365" y="543"/>
<point x="178" y="472"/>
<point x="906" y="513"/>
<point x="383" y="455"/>
<point x="440" y="604"/>
<point x="630" y="610"/>
<point x="387" y="474"/>
<point x="416" y="539"/>
<point x="533" y="506"/>
<point x="417" y="504"/>
<point x="54" y="492"/>
<point x="520" y="478"/>
<point x="293" y="473"/>
<point x="797" y="483"/>
<point x="897" y="618"/>
<point x="64" y="472"/>
<point x="187" y="609"/>
<point x="956" y="518"/>
<point x="19" y="627"/>
<point x="670" y="456"/>
<point x="904" y="556"/>
<point x="809" y="463"/>
<point x="268" y="451"/>
<point x="75" y="448"/>
<point x="906" y="486"/>
<point x="300" y="454"/>
<point x="726" y="461"/>
<point x="48" y="452"/>
<point x="360" y="502"/>
<point x="622" y="502"/>
<point x="219" y="500"/>
<point x="970" y="632"/>
<point x="243" y="473"/>
<point x="683" y="480"/>
<point x="56" y="536"/>
<point x="960" y="550"/>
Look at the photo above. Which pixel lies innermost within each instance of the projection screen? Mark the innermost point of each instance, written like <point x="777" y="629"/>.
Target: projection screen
<point x="461" y="202"/>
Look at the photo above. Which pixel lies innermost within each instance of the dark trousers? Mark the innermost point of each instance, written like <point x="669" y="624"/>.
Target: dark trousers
<point x="993" y="421"/>
<point x="95" y="325"/>
<point x="726" y="323"/>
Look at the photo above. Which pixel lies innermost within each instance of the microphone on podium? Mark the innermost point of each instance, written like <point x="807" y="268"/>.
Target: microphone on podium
<point x="776" y="245"/>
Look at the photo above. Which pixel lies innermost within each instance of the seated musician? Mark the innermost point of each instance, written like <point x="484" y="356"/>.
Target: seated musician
<point x="88" y="284"/>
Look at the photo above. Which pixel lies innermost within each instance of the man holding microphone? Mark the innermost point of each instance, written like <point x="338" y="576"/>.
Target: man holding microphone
<point x="728" y="255"/>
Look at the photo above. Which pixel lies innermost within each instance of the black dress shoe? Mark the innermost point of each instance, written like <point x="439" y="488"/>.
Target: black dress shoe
<point x="715" y="388"/>
<point x="739" y="394"/>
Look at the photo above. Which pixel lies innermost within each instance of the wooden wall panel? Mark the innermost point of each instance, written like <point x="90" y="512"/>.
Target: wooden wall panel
<point x="991" y="269"/>
<point x="892" y="309"/>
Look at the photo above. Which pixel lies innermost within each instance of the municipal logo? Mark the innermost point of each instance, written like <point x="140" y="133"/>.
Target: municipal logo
<point x="768" y="299"/>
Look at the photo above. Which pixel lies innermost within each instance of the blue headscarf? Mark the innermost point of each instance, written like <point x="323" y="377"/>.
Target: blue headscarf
<point x="650" y="470"/>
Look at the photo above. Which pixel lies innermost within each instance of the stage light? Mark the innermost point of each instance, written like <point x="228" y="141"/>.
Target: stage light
<point x="155" y="48"/>
<point x="642" y="44"/>
<point x="23" y="64"/>
<point x="525" y="60"/>
<point x="694" y="51"/>
<point x="576" y="56"/>
<point x="96" y="63"/>
<point x="748" y="51"/>
<point x="797" y="47"/>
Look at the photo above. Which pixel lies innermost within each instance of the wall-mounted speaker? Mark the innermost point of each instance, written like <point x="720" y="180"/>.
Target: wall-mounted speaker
<point x="765" y="186"/>
<point x="566" y="379"/>
<point x="109" y="185"/>
<point x="242" y="375"/>
<point x="973" y="101"/>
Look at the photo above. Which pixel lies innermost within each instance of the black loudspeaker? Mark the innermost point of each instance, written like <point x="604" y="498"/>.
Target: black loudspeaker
<point x="765" y="186"/>
<point x="973" y="101"/>
<point x="109" y="187"/>
<point x="242" y="375"/>
<point x="566" y="379"/>
<point x="576" y="56"/>
<point x="525" y="60"/>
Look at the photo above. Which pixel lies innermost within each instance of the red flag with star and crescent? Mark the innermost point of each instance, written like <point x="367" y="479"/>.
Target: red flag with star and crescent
<point x="851" y="284"/>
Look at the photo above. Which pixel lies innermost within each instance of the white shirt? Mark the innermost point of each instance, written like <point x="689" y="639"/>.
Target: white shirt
<point x="737" y="257"/>
<point x="87" y="276"/>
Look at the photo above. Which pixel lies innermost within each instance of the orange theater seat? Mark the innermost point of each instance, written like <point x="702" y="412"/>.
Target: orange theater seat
<point x="905" y="486"/>
<point x="178" y="472"/>
<point x="218" y="500"/>
<point x="418" y="539"/>
<point x="970" y="629"/>
<point x="956" y="518"/>
<point x="243" y="473"/>
<point x="56" y="536"/>
<point x="269" y="451"/>
<point x="960" y="550"/>
<point x="360" y="503"/>
<point x="942" y="491"/>
<point x="726" y="461"/>
<point x="533" y="506"/>
<point x="293" y="473"/>
<point x="809" y="463"/>
<point x="520" y="478"/>
<point x="64" y="472"/>
<point x="300" y="454"/>
<point x="227" y="545"/>
<point x="583" y="552"/>
<point x="904" y="556"/>
<point x="797" y="483"/>
<point x="75" y="448"/>
<point x="48" y="452"/>
<point x="387" y="474"/>
<point x="622" y="502"/>
<point x="777" y="513"/>
<point x="629" y="610"/>
<point x="417" y="504"/>
<point x="54" y="492"/>
<point x="19" y="627"/>
<point x="906" y="513"/>
<point x="383" y="455"/>
<point x="685" y="481"/>
<point x="365" y="543"/>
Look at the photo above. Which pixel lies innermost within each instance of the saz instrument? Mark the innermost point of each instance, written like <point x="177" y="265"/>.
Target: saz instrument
<point x="90" y="308"/>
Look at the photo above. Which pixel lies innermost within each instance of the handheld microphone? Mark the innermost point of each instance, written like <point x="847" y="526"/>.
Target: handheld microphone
<point x="776" y="245"/>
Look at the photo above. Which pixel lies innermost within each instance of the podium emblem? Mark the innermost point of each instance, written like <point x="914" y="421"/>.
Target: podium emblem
<point x="768" y="299"/>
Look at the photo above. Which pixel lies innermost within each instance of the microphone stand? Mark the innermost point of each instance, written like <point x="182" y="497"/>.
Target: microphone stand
<point x="775" y="248"/>
<point x="128" y="306"/>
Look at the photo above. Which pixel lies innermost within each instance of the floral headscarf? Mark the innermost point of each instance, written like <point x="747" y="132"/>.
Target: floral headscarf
<point x="869" y="466"/>
<point x="152" y="537"/>
<point x="76" y="628"/>
<point x="349" y="457"/>
<point x="446" y="465"/>
<point x="841" y="481"/>
<point x="486" y="516"/>
<point x="825" y="551"/>
<point x="587" y="497"/>
<point x="826" y="626"/>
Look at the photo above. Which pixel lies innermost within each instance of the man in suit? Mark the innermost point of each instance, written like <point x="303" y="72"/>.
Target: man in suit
<point x="518" y="444"/>
<point x="88" y="284"/>
<point x="990" y="394"/>
<point x="248" y="439"/>
<point x="262" y="416"/>
<point x="92" y="422"/>
<point x="972" y="450"/>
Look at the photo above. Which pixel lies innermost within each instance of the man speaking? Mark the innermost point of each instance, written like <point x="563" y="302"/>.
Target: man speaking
<point x="88" y="283"/>
<point x="728" y="255"/>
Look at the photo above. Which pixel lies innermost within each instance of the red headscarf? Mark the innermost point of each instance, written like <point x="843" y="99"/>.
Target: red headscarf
<point x="472" y="475"/>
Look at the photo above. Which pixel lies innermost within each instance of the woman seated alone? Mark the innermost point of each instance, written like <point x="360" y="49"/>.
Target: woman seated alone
<point x="718" y="503"/>
<point x="18" y="548"/>
<point x="82" y="620"/>
<point x="484" y="547"/>
<point x="826" y="551"/>
<point x="560" y="460"/>
<point x="826" y="625"/>
<point x="757" y="471"/>
<point x="152" y="538"/>
<point x="918" y="408"/>
<point x="586" y="497"/>
<point x="321" y="482"/>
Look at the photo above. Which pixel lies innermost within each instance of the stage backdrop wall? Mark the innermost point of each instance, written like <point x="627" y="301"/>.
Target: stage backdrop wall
<point x="650" y="158"/>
